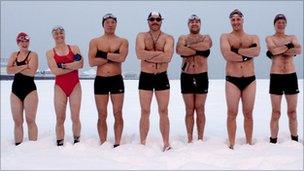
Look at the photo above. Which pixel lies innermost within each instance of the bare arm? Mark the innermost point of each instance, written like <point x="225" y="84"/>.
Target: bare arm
<point x="75" y="64"/>
<point x="202" y="45"/>
<point x="13" y="69"/>
<point x="181" y="48"/>
<point x="141" y="53"/>
<point x="123" y="52"/>
<point x="251" y="51"/>
<point x="226" y="50"/>
<point x="93" y="61"/>
<point x="275" y="50"/>
<point x="53" y="65"/>
<point x="296" y="50"/>
<point x="166" y="56"/>
<point x="32" y="65"/>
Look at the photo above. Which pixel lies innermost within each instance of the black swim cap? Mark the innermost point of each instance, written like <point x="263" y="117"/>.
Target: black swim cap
<point x="236" y="11"/>
<point x="279" y="17"/>
<point x="107" y="16"/>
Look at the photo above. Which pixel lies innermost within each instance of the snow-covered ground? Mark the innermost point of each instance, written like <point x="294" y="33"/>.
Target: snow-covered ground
<point x="212" y="153"/>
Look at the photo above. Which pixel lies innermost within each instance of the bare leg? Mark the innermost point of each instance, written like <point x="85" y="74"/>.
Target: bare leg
<point x="292" y="113"/>
<point x="248" y="97"/>
<point x="200" y="100"/>
<point x="233" y="95"/>
<point x="30" y="108"/>
<point x="101" y="104"/>
<point x="117" y="101"/>
<point x="189" y="118"/>
<point x="145" y="98"/>
<point x="17" y="112"/>
<point x="162" y="98"/>
<point x="75" y="104"/>
<point x="60" y="102"/>
<point x="275" y="116"/>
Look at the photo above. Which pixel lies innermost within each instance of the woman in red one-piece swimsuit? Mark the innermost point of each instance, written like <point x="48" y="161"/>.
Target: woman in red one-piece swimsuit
<point x="64" y="61"/>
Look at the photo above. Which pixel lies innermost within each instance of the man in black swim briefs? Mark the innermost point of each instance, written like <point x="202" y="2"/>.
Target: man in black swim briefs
<point x="239" y="48"/>
<point x="108" y="52"/>
<point x="282" y="49"/>
<point x="155" y="49"/>
<point x="194" y="49"/>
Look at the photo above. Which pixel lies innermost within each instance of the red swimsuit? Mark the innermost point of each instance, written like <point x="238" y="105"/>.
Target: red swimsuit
<point x="67" y="81"/>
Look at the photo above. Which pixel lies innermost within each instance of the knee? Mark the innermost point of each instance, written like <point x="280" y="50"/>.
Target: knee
<point x="102" y="117"/>
<point x="18" y="123"/>
<point x="189" y="111"/>
<point x="199" y="108"/>
<point x="30" y="120"/>
<point x="75" y="119"/>
<point x="247" y="114"/>
<point x="60" y="120"/>
<point x="118" y="116"/>
<point x="292" y="114"/>
<point x="163" y="111"/>
<point x="232" y="115"/>
<point x="276" y="115"/>
<point x="145" y="112"/>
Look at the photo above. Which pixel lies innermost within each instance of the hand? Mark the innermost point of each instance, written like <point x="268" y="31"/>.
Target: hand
<point x="235" y="50"/>
<point x="289" y="45"/>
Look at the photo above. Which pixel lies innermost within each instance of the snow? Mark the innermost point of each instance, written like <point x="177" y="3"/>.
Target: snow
<point x="210" y="154"/>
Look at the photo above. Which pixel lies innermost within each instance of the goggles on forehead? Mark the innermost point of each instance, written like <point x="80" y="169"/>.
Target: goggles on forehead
<point x="193" y="17"/>
<point x="108" y="16"/>
<point x="58" y="28"/>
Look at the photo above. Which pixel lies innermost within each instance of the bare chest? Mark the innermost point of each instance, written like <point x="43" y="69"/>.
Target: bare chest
<point x="240" y="42"/>
<point x="155" y="44"/>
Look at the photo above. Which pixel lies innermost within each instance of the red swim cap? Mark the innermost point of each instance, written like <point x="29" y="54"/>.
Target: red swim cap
<point x="22" y="37"/>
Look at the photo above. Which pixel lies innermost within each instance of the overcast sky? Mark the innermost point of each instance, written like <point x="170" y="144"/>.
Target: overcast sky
<point x="82" y="22"/>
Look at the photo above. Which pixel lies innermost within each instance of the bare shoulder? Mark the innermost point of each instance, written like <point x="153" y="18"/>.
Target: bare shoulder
<point x="94" y="40"/>
<point x="225" y="35"/>
<point x="123" y="40"/>
<point x="74" y="48"/>
<point x="292" y="36"/>
<point x="34" y="54"/>
<point x="49" y="53"/>
<point x="141" y="34"/>
<point x="14" y="55"/>
<point x="269" y="38"/>
<point x="168" y="36"/>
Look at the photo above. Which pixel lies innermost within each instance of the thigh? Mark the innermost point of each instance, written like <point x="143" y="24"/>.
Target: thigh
<point x="200" y="100"/>
<point x="233" y="95"/>
<point x="60" y="101"/>
<point x="162" y="98"/>
<point x="75" y="100"/>
<point x="145" y="98"/>
<point x="292" y="101"/>
<point x="16" y="108"/>
<point x="117" y="101"/>
<point x="189" y="100"/>
<point x="102" y="104"/>
<point x="276" y="102"/>
<point x="248" y="96"/>
<point x="31" y="104"/>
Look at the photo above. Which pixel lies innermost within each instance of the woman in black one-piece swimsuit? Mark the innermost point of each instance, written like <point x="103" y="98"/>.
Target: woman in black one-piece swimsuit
<point x="23" y="64"/>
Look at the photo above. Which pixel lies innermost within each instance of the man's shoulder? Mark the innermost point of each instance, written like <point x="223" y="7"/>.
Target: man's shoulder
<point x="167" y="36"/>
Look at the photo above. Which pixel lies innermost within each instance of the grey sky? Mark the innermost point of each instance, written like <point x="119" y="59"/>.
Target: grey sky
<point x="82" y="22"/>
